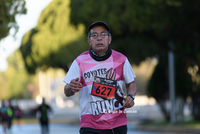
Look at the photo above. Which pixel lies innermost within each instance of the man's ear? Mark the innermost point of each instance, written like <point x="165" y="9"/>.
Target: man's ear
<point x="88" y="40"/>
<point x="110" y="39"/>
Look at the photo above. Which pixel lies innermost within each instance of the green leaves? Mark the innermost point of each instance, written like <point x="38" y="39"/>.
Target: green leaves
<point x="8" y="10"/>
<point x="155" y="21"/>
<point x="139" y="29"/>
<point x="54" y="42"/>
<point x="15" y="80"/>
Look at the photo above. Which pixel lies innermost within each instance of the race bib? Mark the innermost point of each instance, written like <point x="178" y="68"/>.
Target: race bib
<point x="103" y="87"/>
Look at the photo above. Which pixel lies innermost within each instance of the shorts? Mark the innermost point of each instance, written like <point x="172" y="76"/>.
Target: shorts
<point x="118" y="130"/>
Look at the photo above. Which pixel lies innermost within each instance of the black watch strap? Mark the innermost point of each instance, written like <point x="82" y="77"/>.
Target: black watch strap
<point x="132" y="96"/>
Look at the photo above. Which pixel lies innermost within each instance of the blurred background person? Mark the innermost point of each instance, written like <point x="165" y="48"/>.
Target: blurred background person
<point x="18" y="114"/>
<point x="43" y="112"/>
<point x="4" y="117"/>
<point x="10" y="114"/>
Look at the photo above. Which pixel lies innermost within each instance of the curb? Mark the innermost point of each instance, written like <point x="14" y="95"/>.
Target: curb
<point x="178" y="128"/>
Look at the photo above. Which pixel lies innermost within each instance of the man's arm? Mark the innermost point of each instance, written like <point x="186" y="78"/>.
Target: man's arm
<point x="73" y="87"/>
<point x="131" y="89"/>
<point x="68" y="91"/>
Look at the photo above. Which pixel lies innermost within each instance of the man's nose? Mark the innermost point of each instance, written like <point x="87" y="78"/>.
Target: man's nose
<point x="99" y="37"/>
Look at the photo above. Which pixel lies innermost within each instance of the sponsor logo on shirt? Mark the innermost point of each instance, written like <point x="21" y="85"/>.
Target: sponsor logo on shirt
<point x="89" y="76"/>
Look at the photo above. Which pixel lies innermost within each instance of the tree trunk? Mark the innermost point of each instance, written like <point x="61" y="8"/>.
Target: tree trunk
<point x="162" y="104"/>
<point x="196" y="105"/>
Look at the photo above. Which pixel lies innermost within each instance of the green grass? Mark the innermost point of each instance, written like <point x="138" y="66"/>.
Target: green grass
<point x="189" y="123"/>
<point x="27" y="120"/>
<point x="195" y="124"/>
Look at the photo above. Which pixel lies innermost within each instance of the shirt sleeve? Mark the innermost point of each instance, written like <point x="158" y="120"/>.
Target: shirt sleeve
<point x="128" y="72"/>
<point x="73" y="72"/>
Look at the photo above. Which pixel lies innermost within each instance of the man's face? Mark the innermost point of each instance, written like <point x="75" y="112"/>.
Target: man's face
<point x="99" y="39"/>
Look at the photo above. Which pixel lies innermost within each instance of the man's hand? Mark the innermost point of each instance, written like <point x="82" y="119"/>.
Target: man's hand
<point x="131" y="89"/>
<point x="73" y="87"/>
<point x="129" y="102"/>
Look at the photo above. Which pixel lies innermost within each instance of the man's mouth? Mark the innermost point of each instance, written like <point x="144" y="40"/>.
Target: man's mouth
<point x="99" y="44"/>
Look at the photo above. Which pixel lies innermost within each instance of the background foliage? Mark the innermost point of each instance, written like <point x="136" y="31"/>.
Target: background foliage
<point x="146" y="26"/>
<point x="15" y="81"/>
<point x="8" y="10"/>
<point x="54" y="42"/>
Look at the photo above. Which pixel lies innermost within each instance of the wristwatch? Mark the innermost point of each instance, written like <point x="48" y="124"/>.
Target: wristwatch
<point x="132" y="96"/>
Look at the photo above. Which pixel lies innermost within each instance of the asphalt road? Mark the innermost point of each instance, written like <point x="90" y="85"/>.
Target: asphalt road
<point x="65" y="129"/>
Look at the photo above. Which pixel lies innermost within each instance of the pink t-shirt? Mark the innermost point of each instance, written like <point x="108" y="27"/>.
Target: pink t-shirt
<point x="97" y="112"/>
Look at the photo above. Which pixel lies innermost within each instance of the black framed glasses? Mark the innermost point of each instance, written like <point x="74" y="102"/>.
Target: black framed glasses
<point x="102" y="34"/>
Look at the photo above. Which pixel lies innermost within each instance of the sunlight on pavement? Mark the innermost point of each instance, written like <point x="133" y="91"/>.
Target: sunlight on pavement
<point x="64" y="129"/>
<point x="35" y="129"/>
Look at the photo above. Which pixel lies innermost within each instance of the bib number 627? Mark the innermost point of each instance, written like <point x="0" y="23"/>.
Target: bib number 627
<point x="104" y="91"/>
